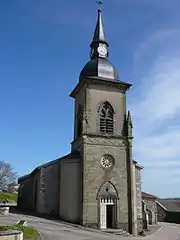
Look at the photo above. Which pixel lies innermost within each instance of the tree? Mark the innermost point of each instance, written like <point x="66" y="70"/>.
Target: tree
<point x="7" y="175"/>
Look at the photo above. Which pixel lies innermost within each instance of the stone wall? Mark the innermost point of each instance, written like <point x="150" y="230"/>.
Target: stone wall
<point x="29" y="197"/>
<point x="11" y="235"/>
<point x="79" y="101"/>
<point x="95" y="176"/>
<point x="26" y="194"/>
<point x="36" y="192"/>
<point x="70" y="190"/>
<point x="161" y="213"/>
<point x="138" y="193"/>
<point x="93" y="146"/>
<point x="139" y="199"/>
<point x="4" y="210"/>
<point x="50" y="189"/>
<point x="97" y="95"/>
<point x="41" y="191"/>
<point x="151" y="208"/>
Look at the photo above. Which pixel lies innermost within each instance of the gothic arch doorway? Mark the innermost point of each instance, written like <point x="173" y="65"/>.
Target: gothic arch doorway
<point x="107" y="203"/>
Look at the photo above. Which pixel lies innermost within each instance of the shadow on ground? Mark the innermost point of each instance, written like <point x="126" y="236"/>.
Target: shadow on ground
<point x="43" y="216"/>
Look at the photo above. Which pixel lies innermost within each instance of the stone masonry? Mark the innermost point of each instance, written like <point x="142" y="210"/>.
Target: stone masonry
<point x="95" y="176"/>
<point x="94" y="146"/>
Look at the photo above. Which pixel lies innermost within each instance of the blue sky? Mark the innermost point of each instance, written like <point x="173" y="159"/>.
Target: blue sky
<point x="44" y="45"/>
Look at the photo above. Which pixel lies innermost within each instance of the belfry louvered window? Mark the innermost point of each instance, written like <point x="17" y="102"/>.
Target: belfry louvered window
<point x="106" y="119"/>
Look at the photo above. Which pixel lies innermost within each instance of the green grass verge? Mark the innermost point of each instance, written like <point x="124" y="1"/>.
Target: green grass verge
<point x="29" y="233"/>
<point x="11" y="197"/>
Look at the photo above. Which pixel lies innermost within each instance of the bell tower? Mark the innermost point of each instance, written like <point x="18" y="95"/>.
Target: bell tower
<point x="103" y="136"/>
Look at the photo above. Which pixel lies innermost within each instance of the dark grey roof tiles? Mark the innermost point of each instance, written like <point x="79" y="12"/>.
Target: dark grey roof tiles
<point x="99" y="35"/>
<point x="99" y="67"/>
<point x="170" y="205"/>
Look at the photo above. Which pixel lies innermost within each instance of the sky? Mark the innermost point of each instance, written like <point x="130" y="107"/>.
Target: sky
<point x="44" y="45"/>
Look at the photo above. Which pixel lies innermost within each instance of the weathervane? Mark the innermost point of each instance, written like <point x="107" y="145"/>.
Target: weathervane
<point x="99" y="3"/>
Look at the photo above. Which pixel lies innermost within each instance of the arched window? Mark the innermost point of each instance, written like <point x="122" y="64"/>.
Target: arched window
<point x="79" y="121"/>
<point x="106" y="119"/>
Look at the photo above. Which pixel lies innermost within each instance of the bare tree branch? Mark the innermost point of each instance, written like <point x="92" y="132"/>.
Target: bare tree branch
<point x="7" y="175"/>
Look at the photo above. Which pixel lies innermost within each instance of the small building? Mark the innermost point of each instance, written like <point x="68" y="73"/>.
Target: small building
<point x="168" y="210"/>
<point x="13" y="187"/>
<point x="149" y="208"/>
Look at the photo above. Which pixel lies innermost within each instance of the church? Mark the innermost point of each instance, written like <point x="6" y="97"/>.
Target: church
<point x="98" y="184"/>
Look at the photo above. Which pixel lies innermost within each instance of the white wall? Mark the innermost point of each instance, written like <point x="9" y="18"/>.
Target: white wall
<point x="70" y="195"/>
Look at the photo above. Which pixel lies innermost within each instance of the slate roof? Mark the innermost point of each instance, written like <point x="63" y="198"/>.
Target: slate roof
<point x="169" y="205"/>
<point x="147" y="195"/>
<point x="99" y="65"/>
<point x="72" y="155"/>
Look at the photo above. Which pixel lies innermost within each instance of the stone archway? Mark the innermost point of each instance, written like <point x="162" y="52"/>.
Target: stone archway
<point x="149" y="216"/>
<point x="107" y="202"/>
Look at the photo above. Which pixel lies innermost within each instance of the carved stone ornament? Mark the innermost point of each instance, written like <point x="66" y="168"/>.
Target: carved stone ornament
<point x="123" y="89"/>
<point x="107" y="190"/>
<point x="105" y="141"/>
<point x="107" y="161"/>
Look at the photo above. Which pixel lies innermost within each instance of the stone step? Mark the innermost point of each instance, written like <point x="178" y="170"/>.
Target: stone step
<point x="119" y="232"/>
<point x="128" y="234"/>
<point x="123" y="233"/>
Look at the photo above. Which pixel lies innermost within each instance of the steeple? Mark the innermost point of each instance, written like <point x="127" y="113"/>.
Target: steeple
<point x="99" y="66"/>
<point x="99" y="35"/>
<point x="99" y="45"/>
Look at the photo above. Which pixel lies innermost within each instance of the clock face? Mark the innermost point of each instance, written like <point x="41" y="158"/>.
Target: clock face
<point x="102" y="50"/>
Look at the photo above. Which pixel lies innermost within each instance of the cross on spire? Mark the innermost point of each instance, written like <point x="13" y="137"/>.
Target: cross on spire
<point x="99" y="3"/>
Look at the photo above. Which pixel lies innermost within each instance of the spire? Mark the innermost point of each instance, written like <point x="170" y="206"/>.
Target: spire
<point x="129" y="125"/>
<point x="99" y="35"/>
<point x="129" y="120"/>
<point x="99" y="45"/>
<point x="99" y="66"/>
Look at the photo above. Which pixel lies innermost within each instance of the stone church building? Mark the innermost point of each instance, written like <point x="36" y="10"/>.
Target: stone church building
<point x="97" y="184"/>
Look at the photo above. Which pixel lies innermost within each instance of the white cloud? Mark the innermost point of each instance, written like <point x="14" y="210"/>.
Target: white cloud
<point x="159" y="36"/>
<point x="163" y="41"/>
<point x="165" y="164"/>
<point x="156" y="118"/>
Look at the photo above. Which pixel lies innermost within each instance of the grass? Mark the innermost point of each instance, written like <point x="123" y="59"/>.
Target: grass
<point x="11" y="197"/>
<point x="29" y="233"/>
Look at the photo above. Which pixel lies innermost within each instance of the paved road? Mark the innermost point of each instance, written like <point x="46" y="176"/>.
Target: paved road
<point x="167" y="232"/>
<point x="60" y="231"/>
<point x="51" y="230"/>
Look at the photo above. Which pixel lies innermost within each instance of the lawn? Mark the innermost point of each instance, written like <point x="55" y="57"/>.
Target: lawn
<point x="29" y="233"/>
<point x="11" y="197"/>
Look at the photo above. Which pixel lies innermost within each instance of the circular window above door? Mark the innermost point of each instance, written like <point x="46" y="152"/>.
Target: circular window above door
<point x="107" y="161"/>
